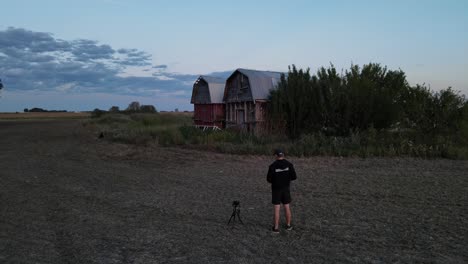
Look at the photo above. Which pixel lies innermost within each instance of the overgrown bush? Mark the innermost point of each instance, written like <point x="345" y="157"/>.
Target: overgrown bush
<point x="353" y="107"/>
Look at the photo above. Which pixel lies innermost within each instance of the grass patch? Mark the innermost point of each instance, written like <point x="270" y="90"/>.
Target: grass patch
<point x="172" y="129"/>
<point x="142" y="128"/>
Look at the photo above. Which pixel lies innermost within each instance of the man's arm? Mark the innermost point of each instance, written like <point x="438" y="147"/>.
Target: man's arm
<point x="270" y="174"/>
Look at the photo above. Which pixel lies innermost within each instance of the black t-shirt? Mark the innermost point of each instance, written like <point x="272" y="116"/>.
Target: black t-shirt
<point x="280" y="174"/>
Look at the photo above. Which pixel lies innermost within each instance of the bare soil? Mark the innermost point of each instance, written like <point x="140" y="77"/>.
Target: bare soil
<point x="68" y="197"/>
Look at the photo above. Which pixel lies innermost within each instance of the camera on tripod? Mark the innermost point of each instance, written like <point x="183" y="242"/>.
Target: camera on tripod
<point x="235" y="212"/>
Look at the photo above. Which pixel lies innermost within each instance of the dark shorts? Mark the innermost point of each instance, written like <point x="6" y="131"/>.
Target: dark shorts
<point x="281" y="196"/>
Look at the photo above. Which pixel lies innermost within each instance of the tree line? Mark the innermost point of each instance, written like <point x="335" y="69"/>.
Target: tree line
<point x="133" y="107"/>
<point x="41" y="110"/>
<point x="362" y="98"/>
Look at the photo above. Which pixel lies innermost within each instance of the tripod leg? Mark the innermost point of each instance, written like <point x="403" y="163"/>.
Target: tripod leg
<point x="238" y="216"/>
<point x="233" y="217"/>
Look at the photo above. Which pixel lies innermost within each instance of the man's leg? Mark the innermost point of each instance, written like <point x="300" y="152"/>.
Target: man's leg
<point x="277" y="215"/>
<point x="287" y="212"/>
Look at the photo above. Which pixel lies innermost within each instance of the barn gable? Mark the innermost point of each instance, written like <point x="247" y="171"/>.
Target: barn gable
<point x="245" y="96"/>
<point x="250" y="85"/>
<point x="208" y="90"/>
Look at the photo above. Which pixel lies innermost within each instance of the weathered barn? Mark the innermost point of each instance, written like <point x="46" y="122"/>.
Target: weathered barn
<point x="207" y="98"/>
<point x="245" y="96"/>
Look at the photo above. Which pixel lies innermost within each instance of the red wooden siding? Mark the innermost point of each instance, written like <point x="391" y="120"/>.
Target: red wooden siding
<point x="209" y="115"/>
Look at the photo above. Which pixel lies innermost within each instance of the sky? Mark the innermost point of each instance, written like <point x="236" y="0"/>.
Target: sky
<point x="87" y="54"/>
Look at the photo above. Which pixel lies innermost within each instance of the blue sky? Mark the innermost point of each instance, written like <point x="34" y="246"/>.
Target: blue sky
<point x="81" y="55"/>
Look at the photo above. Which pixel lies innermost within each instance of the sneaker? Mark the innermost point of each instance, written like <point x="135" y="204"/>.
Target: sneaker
<point x="275" y="231"/>
<point x="289" y="227"/>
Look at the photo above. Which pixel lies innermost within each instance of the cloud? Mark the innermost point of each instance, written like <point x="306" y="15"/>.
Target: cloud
<point x="162" y="66"/>
<point x="87" y="50"/>
<point x="37" y="61"/>
<point x="134" y="57"/>
<point x="28" y="40"/>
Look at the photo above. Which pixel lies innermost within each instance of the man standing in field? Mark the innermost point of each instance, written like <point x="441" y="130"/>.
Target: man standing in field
<point x="280" y="174"/>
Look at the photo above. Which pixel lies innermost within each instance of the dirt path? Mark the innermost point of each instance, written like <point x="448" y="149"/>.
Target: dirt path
<point x="67" y="197"/>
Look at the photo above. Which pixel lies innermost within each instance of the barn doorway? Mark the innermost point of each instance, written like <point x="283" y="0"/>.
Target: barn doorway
<point x="240" y="117"/>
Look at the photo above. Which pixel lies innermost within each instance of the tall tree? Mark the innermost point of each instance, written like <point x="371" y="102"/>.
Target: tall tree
<point x="290" y="101"/>
<point x="133" y="106"/>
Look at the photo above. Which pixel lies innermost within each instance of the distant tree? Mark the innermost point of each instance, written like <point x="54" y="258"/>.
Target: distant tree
<point x="114" y="109"/>
<point x="26" y="110"/>
<point x="148" y="109"/>
<point x="133" y="107"/>
<point x="97" y="113"/>
<point x="176" y="110"/>
<point x="36" y="109"/>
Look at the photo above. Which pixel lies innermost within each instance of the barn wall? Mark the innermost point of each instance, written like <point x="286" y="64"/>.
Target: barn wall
<point x="238" y="89"/>
<point x="241" y="115"/>
<point x="218" y="115"/>
<point x="241" y="111"/>
<point x="240" y="108"/>
<point x="260" y="114"/>
<point x="209" y="115"/>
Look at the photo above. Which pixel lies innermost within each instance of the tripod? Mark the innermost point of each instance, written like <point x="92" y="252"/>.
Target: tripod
<point x="235" y="212"/>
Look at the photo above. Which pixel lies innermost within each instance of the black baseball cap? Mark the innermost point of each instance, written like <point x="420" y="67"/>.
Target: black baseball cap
<point x="278" y="152"/>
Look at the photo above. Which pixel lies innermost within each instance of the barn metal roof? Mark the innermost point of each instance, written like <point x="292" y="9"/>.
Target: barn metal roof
<point x="261" y="82"/>
<point x="215" y="86"/>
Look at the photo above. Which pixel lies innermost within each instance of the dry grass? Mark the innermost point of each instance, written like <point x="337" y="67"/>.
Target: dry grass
<point x="44" y="115"/>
